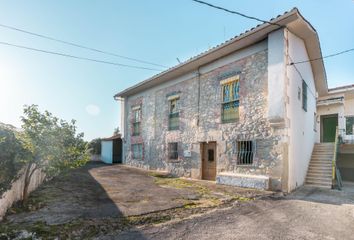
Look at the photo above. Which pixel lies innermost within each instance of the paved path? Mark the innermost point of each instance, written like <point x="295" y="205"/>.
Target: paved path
<point x="308" y="213"/>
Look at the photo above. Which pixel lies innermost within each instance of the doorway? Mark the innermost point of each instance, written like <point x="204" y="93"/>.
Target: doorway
<point x="329" y="124"/>
<point x="117" y="150"/>
<point x="208" y="153"/>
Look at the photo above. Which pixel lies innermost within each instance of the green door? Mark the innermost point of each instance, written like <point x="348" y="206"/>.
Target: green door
<point x="330" y="124"/>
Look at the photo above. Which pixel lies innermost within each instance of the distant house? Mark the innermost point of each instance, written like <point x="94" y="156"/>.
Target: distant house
<point x="240" y="113"/>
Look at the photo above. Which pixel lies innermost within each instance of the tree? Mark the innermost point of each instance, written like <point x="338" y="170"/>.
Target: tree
<point x="116" y="131"/>
<point x="53" y="144"/>
<point x="11" y="153"/>
<point x="95" y="146"/>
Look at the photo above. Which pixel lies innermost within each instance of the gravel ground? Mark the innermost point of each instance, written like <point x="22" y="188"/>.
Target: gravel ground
<point x="308" y="213"/>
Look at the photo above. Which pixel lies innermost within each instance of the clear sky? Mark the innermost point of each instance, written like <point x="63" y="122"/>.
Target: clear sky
<point x="154" y="30"/>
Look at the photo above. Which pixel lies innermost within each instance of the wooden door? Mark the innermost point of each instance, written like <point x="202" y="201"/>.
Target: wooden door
<point x="329" y="125"/>
<point x="208" y="161"/>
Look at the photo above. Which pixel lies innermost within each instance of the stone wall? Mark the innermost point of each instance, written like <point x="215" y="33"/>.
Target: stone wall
<point x="200" y="121"/>
<point x="15" y="193"/>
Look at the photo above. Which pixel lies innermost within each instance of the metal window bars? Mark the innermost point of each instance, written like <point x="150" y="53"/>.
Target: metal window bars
<point x="245" y="152"/>
<point x="173" y="150"/>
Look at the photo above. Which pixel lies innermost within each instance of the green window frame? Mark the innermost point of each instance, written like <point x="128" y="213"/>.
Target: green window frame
<point x="137" y="121"/>
<point x="137" y="151"/>
<point x="304" y="95"/>
<point x="349" y="123"/>
<point x="173" y="116"/>
<point x="230" y="99"/>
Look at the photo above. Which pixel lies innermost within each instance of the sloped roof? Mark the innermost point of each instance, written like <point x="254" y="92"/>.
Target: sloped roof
<point x="293" y="20"/>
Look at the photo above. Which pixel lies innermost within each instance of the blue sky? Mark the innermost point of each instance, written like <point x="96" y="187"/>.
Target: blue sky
<point x="156" y="30"/>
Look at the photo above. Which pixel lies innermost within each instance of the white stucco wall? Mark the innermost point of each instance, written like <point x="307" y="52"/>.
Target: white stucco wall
<point x="349" y="106"/>
<point x="106" y="151"/>
<point x="301" y="123"/>
<point x="276" y="74"/>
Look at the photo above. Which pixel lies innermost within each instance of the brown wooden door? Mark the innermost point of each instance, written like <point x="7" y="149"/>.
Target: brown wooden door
<point x="209" y="161"/>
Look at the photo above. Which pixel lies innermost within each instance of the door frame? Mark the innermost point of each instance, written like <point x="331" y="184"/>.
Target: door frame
<point x="321" y="121"/>
<point x="202" y="145"/>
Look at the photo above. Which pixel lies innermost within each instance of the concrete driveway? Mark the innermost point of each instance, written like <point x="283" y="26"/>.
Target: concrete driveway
<point x="100" y="200"/>
<point x="308" y="213"/>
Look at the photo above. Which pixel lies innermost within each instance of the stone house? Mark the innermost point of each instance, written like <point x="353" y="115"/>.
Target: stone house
<point x="240" y="113"/>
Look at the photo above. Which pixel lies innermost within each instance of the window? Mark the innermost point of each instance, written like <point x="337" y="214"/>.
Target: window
<point x="245" y="152"/>
<point x="137" y="150"/>
<point x="173" y="150"/>
<point x="136" y="120"/>
<point x="349" y="123"/>
<point x="173" y="118"/>
<point x="230" y="99"/>
<point x="304" y="95"/>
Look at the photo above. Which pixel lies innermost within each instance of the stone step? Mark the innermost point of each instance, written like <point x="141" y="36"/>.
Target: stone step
<point x="320" y="165"/>
<point x="319" y="182"/>
<point x="314" y="176"/>
<point x="320" y="171"/>
<point x="321" y="160"/>
<point x="318" y="186"/>
<point x="326" y="158"/>
<point x="319" y="178"/>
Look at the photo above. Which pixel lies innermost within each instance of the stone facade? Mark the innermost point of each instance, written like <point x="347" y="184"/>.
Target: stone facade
<point x="200" y="121"/>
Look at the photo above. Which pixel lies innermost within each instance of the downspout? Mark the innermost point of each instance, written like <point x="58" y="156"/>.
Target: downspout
<point x="198" y="100"/>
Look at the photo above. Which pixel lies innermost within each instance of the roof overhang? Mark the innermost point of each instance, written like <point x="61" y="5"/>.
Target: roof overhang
<point x="292" y="20"/>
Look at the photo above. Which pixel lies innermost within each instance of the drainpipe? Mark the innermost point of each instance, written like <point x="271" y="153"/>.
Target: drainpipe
<point x="198" y="102"/>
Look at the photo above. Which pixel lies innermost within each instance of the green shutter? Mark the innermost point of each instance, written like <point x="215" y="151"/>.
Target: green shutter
<point x="304" y="95"/>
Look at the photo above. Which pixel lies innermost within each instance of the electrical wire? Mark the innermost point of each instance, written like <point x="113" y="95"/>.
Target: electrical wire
<point x="234" y="12"/>
<point x="328" y="56"/>
<point x="77" y="57"/>
<point x="80" y="46"/>
<point x="264" y="21"/>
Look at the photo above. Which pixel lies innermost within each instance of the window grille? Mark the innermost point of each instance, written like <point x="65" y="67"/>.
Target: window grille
<point x="245" y="152"/>
<point x="349" y="122"/>
<point x="173" y="150"/>
<point x="173" y="119"/>
<point x="136" y="121"/>
<point x="137" y="150"/>
<point x="230" y="100"/>
<point x="304" y="95"/>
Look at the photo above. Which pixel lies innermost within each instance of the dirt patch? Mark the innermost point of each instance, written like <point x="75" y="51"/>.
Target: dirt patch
<point x="97" y="200"/>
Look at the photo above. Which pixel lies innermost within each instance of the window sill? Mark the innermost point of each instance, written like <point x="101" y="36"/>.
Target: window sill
<point x="230" y="121"/>
<point x="173" y="160"/>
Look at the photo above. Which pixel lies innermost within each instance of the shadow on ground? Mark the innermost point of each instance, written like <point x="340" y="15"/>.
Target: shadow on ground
<point x="73" y="205"/>
<point x="101" y="201"/>
<point x="326" y="196"/>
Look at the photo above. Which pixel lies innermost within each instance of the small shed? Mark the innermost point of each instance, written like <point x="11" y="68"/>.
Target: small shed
<point x="111" y="149"/>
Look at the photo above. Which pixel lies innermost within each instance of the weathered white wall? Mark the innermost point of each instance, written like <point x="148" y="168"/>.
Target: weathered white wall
<point x="301" y="123"/>
<point x="349" y="106"/>
<point x="276" y="74"/>
<point x="106" y="151"/>
<point x="16" y="191"/>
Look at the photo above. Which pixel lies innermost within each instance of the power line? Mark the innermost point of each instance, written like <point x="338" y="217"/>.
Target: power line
<point x="80" y="46"/>
<point x="302" y="78"/>
<point x="328" y="56"/>
<point x="264" y="21"/>
<point x="76" y="57"/>
<point x="234" y="12"/>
